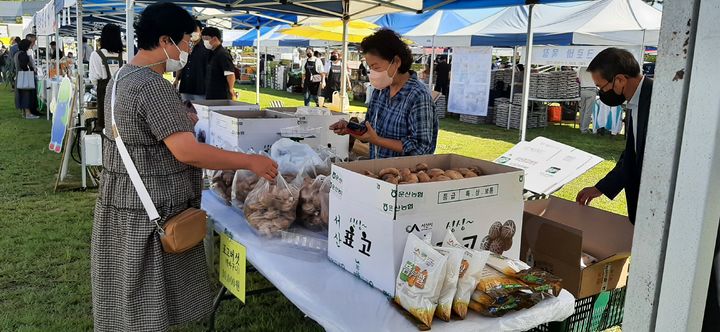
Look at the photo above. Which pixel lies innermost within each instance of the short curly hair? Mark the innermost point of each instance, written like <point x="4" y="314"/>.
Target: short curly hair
<point x="387" y="44"/>
<point x="162" y="19"/>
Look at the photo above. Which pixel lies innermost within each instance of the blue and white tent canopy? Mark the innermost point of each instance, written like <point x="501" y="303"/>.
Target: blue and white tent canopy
<point x="421" y="28"/>
<point x="270" y="37"/>
<point x="602" y="22"/>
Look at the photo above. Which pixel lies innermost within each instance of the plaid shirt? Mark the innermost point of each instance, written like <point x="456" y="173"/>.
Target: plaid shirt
<point x="408" y="117"/>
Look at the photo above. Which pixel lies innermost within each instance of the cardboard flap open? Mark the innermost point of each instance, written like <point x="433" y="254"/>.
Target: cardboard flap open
<point x="610" y="233"/>
<point x="605" y="275"/>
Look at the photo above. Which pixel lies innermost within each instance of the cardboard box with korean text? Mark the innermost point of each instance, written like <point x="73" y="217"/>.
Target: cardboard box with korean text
<point x="557" y="232"/>
<point x="370" y="219"/>
<point x="203" y="109"/>
<point x="257" y="130"/>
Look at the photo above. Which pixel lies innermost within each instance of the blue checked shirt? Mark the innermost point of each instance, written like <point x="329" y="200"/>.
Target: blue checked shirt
<point x="409" y="117"/>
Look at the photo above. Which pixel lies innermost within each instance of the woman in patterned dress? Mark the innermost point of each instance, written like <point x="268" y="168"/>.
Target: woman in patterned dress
<point x="136" y="286"/>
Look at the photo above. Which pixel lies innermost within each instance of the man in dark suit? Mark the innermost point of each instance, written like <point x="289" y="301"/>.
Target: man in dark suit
<point x="617" y="75"/>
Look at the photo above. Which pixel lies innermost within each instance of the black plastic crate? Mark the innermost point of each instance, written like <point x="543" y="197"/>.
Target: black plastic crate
<point x="594" y="313"/>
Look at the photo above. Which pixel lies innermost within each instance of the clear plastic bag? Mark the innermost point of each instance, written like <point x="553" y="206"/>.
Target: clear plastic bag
<point x="271" y="207"/>
<point x="243" y="183"/>
<point x="313" y="209"/>
<point x="292" y="156"/>
<point x="221" y="185"/>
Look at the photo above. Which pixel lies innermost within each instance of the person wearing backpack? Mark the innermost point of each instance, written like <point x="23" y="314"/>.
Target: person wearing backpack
<point x="104" y="63"/>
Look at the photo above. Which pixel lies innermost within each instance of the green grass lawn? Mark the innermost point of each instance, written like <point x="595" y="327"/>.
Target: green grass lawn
<point x="45" y="269"/>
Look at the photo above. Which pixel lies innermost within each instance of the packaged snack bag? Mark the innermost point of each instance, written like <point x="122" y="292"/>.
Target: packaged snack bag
<point x="449" y="288"/>
<point x="470" y="268"/>
<point x="419" y="282"/>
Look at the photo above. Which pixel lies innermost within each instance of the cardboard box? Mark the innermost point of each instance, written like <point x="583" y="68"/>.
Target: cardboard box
<point x="257" y="130"/>
<point x="203" y="109"/>
<point x="324" y="137"/>
<point x="370" y="219"/>
<point x="555" y="234"/>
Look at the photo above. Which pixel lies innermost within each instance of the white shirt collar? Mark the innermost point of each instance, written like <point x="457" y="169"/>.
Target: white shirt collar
<point x="633" y="103"/>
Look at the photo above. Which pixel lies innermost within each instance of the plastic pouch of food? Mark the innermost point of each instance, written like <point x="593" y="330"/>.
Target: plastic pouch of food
<point x="243" y="183"/>
<point x="221" y="185"/>
<point x="471" y="267"/>
<point x="507" y="266"/>
<point x="541" y="281"/>
<point x="271" y="207"/>
<point x="310" y="207"/>
<point x="449" y="288"/>
<point x="419" y="282"/>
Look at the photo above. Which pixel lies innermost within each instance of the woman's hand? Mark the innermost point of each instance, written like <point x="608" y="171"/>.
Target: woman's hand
<point x="340" y="127"/>
<point x="262" y="166"/>
<point x="370" y="136"/>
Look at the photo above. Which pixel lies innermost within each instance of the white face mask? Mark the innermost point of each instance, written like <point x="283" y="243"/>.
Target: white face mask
<point x="381" y="79"/>
<point x="207" y="44"/>
<point x="195" y="36"/>
<point x="172" y="65"/>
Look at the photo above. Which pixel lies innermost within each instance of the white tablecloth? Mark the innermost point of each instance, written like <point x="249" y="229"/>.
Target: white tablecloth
<point x="339" y="301"/>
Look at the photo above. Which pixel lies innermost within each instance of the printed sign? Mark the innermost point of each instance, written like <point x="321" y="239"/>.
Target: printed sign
<point x="572" y="55"/>
<point x="232" y="266"/>
<point x="470" y="80"/>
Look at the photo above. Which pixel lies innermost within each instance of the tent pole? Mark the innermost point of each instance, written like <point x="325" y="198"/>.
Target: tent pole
<point x="130" y="28"/>
<point x="512" y="86"/>
<point x="81" y="87"/>
<point x="257" y="69"/>
<point x="265" y="68"/>
<point x="526" y="74"/>
<point x="432" y="64"/>
<point x="47" y="76"/>
<point x="58" y="20"/>
<point x="343" y="72"/>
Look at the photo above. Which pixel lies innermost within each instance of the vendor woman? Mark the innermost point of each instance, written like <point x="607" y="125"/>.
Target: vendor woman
<point x="401" y="119"/>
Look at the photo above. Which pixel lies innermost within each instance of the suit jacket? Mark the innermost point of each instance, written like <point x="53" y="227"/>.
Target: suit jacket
<point x="626" y="174"/>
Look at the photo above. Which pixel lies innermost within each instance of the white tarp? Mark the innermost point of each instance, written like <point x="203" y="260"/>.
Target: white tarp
<point x="602" y="22"/>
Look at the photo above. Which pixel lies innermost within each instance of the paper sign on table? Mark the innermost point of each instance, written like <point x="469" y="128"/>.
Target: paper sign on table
<point x="548" y="165"/>
<point x="232" y="266"/>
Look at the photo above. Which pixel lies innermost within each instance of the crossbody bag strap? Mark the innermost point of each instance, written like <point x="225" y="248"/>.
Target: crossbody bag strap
<point x="129" y="165"/>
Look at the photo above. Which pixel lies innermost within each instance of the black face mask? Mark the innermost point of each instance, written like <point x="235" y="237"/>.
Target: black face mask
<point x="610" y="97"/>
<point x="333" y="58"/>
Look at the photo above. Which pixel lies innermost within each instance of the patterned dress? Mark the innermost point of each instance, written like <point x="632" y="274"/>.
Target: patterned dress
<point x="136" y="286"/>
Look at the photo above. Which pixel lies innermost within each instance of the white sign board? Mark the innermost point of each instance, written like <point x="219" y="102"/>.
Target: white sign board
<point x="573" y="55"/>
<point x="548" y="165"/>
<point x="470" y="80"/>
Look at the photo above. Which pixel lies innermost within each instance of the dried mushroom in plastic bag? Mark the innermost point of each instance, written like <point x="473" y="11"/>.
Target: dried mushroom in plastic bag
<point x="271" y="207"/>
<point x="313" y="206"/>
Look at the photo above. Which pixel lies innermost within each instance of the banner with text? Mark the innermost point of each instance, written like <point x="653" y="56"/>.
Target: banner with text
<point x="232" y="266"/>
<point x="470" y="80"/>
<point x="573" y="55"/>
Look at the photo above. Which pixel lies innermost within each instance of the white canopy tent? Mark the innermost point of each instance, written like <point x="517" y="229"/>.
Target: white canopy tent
<point x="602" y="22"/>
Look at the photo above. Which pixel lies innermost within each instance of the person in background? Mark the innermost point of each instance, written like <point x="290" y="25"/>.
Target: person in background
<point x="617" y="76"/>
<point x="312" y="74"/>
<point x="87" y="51"/>
<point x="136" y="286"/>
<point x="442" y="80"/>
<point x="104" y="63"/>
<point x="333" y="76"/>
<point x="221" y="70"/>
<point x="11" y="64"/>
<point x="191" y="79"/>
<point x="401" y="118"/>
<point x="26" y="99"/>
<point x="54" y="51"/>
<point x="588" y="95"/>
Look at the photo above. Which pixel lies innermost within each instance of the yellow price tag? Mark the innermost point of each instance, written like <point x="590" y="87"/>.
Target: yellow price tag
<point x="232" y="266"/>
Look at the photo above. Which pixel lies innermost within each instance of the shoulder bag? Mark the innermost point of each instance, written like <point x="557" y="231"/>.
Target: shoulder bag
<point x="25" y="79"/>
<point x="179" y="233"/>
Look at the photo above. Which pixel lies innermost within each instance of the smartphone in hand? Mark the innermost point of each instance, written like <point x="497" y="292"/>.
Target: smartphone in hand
<point x="357" y="129"/>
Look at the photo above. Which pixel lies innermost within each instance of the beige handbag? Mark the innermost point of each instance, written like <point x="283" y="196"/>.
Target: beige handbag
<point x="181" y="232"/>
